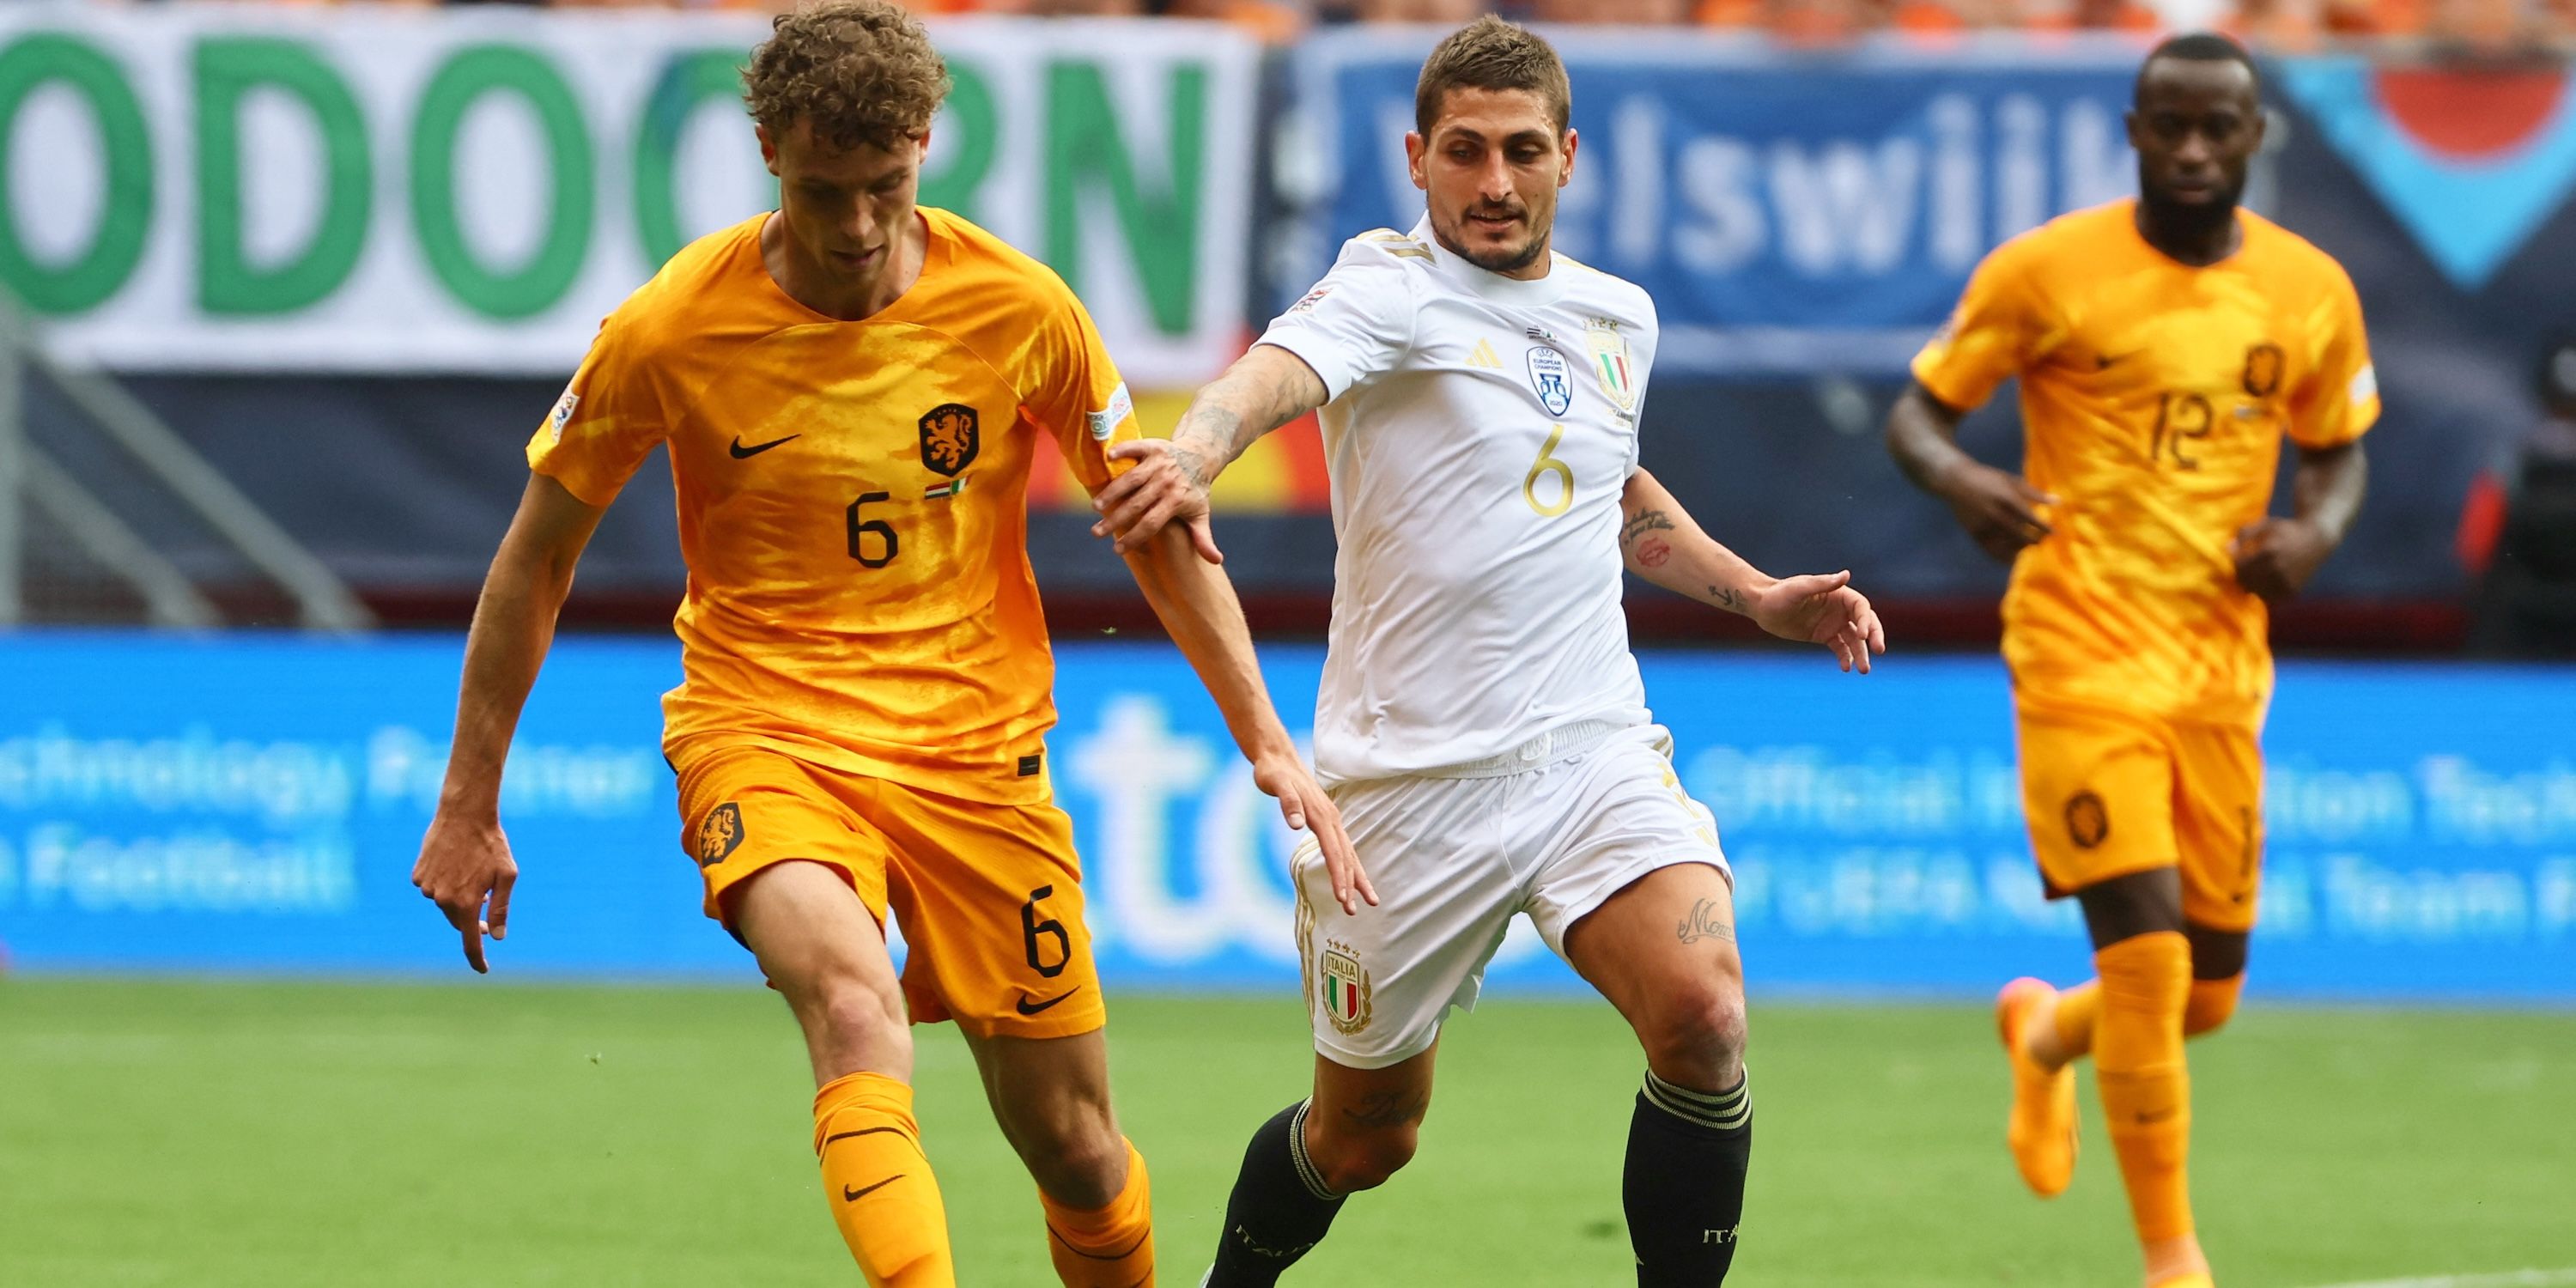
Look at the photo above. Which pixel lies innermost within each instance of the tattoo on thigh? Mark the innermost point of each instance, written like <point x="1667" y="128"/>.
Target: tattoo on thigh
<point x="1382" y="1109"/>
<point x="1705" y="922"/>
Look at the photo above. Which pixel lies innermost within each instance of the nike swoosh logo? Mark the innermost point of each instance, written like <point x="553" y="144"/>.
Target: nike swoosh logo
<point x="849" y="1195"/>
<point x="1028" y="1007"/>
<point x="741" y="452"/>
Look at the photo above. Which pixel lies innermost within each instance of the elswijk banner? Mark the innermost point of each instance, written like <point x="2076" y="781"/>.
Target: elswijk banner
<point x="1788" y="214"/>
<point x="459" y="191"/>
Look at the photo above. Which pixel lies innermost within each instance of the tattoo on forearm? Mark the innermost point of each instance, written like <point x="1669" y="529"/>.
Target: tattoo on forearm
<point x="1382" y="1109"/>
<point x="1205" y="440"/>
<point x="1227" y="418"/>
<point x="1644" y="522"/>
<point x="1638" y="537"/>
<point x="1706" y="921"/>
<point x="1730" y="600"/>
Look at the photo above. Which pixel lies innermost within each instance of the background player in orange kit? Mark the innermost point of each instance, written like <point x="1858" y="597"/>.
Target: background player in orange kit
<point x="2164" y="346"/>
<point x="851" y="389"/>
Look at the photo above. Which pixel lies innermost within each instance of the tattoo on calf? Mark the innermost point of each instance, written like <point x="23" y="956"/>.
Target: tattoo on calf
<point x="1705" y="922"/>
<point x="1382" y="1109"/>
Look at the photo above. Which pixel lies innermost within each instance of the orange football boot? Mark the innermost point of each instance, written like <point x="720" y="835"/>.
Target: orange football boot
<point x="2041" y="1128"/>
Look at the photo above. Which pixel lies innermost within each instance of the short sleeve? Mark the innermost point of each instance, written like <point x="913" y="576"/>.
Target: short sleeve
<point x="1357" y="322"/>
<point x="2339" y="401"/>
<point x="1989" y="338"/>
<point x="609" y="418"/>
<point x="1072" y="391"/>
<point x="1641" y="352"/>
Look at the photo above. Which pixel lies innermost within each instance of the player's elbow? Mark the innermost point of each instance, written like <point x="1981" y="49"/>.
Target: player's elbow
<point x="1896" y="435"/>
<point x="1915" y="422"/>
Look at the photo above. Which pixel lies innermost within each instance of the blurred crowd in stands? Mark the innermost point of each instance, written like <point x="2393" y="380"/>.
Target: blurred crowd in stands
<point x="2476" y="27"/>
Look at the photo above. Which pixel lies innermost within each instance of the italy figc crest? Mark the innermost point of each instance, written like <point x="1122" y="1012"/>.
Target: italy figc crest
<point x="1612" y="362"/>
<point x="1346" y="989"/>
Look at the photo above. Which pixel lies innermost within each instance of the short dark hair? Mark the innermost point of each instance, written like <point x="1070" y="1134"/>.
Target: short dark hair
<point x="1490" y="53"/>
<point x="2197" y="47"/>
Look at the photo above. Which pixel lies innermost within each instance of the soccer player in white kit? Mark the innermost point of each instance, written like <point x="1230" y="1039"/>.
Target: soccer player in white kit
<point x="1481" y="722"/>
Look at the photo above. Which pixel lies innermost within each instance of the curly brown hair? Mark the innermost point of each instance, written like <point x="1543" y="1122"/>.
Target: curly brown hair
<point x="858" y="71"/>
<point x="1490" y="53"/>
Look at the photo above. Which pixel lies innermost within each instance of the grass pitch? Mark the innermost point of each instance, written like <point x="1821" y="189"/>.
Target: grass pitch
<point x="276" y="1136"/>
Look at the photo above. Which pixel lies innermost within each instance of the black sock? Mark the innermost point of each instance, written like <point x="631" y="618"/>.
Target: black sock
<point x="1279" y="1208"/>
<point x="1684" y="1186"/>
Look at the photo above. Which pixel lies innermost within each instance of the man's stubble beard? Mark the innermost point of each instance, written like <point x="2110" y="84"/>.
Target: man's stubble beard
<point x="2187" y="219"/>
<point x="1524" y="257"/>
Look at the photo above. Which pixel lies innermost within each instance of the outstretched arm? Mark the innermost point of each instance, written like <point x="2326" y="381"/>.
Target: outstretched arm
<point x="2275" y="557"/>
<point x="465" y="859"/>
<point x="1665" y="546"/>
<point x="1198" y="607"/>
<point x="1999" y="510"/>
<point x="1264" y="389"/>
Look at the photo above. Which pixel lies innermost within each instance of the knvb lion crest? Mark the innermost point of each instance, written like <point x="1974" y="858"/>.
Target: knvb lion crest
<point x="719" y="833"/>
<point x="2088" y="821"/>
<point x="949" y="438"/>
<point x="1346" y="989"/>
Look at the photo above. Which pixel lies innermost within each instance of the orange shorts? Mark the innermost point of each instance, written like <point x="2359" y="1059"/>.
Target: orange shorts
<point x="2109" y="793"/>
<point x="988" y="897"/>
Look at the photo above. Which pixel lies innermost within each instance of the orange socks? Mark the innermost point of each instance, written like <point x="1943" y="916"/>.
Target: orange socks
<point x="2212" y="1004"/>
<point x="879" y="1183"/>
<point x="2077" y="1009"/>
<point x="2146" y="1092"/>
<point x="1109" y="1247"/>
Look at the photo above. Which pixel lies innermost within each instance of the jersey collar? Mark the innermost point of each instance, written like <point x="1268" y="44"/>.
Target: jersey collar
<point x="1494" y="286"/>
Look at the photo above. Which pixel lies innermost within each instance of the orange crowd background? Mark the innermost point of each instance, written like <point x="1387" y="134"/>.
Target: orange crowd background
<point x="2506" y="28"/>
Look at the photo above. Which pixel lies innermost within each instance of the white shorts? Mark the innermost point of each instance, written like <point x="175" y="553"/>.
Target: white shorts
<point x="1453" y="858"/>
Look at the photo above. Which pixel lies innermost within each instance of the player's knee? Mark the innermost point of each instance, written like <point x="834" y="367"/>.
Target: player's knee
<point x="845" y="1011"/>
<point x="1364" y="1160"/>
<point x="1080" y="1161"/>
<point x="1698" y="1036"/>
<point x="2212" y="1004"/>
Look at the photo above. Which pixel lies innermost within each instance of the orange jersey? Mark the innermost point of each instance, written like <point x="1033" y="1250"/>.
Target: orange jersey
<point x="2153" y="398"/>
<point x="852" y="500"/>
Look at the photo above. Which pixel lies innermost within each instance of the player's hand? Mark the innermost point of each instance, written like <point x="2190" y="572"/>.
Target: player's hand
<point x="464" y="862"/>
<point x="1166" y="484"/>
<point x="1822" y="609"/>
<point x="2275" y="558"/>
<point x="2000" y="510"/>
<point x="1303" y="803"/>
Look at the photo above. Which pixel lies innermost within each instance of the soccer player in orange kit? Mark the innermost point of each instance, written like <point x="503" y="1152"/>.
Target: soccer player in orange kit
<point x="851" y="390"/>
<point x="2164" y="346"/>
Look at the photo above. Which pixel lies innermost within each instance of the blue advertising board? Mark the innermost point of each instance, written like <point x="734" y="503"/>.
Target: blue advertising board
<point x="1786" y="214"/>
<point x="255" y="803"/>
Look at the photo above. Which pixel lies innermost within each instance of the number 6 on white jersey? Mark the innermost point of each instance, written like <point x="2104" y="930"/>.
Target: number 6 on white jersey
<point x="1548" y="464"/>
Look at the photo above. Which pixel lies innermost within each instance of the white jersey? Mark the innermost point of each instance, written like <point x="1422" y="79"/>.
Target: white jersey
<point x="1479" y="433"/>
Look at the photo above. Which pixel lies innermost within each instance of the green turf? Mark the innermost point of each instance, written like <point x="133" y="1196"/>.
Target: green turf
<point x="269" y="1136"/>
